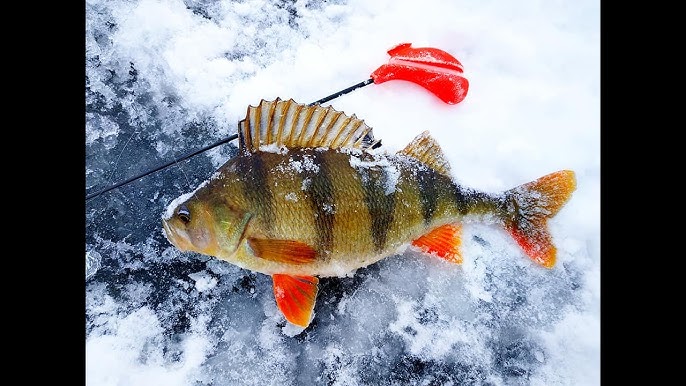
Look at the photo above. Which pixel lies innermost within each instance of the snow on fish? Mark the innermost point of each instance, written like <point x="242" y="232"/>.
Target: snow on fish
<point x="310" y="196"/>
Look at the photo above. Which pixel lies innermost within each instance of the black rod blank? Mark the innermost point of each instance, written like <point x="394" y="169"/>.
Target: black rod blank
<point x="189" y="155"/>
<point x="223" y="141"/>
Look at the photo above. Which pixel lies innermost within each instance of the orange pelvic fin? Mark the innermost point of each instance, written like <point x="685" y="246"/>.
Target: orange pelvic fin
<point x="282" y="251"/>
<point x="533" y="204"/>
<point x="295" y="296"/>
<point x="443" y="241"/>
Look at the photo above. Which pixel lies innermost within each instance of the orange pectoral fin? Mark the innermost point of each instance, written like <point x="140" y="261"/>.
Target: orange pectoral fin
<point x="295" y="296"/>
<point x="443" y="241"/>
<point x="282" y="251"/>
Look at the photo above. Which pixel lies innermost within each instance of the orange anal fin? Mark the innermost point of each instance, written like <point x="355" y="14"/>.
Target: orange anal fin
<point x="282" y="251"/>
<point x="295" y="296"/>
<point x="537" y="244"/>
<point x="443" y="241"/>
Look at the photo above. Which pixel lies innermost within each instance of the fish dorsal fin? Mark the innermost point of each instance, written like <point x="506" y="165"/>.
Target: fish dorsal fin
<point x="425" y="149"/>
<point x="293" y="125"/>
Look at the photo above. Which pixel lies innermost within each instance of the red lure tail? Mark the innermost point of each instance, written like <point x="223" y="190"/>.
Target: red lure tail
<point x="533" y="204"/>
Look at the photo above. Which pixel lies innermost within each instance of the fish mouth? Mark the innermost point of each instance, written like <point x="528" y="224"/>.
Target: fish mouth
<point x="168" y="234"/>
<point x="172" y="236"/>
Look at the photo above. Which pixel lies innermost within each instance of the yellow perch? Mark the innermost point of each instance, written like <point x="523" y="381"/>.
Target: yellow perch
<point x="309" y="196"/>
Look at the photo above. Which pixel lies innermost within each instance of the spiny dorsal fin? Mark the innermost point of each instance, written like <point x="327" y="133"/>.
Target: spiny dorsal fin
<point x="425" y="149"/>
<point x="291" y="124"/>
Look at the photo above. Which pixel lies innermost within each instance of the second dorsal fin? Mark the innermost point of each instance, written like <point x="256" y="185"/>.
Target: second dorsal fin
<point x="293" y="125"/>
<point x="425" y="149"/>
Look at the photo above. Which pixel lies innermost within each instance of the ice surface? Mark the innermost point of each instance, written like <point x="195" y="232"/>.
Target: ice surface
<point x="165" y="77"/>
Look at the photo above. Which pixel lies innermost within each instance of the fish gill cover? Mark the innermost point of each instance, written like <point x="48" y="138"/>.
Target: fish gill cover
<point x="168" y="76"/>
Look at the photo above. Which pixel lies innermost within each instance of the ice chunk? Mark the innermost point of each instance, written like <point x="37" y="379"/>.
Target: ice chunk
<point x="203" y="281"/>
<point x="92" y="263"/>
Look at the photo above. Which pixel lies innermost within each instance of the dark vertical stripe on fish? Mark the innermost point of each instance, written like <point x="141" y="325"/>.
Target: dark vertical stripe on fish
<point x="320" y="191"/>
<point x="426" y="178"/>
<point x="462" y="200"/>
<point x="469" y="200"/>
<point x="381" y="206"/>
<point x="256" y="189"/>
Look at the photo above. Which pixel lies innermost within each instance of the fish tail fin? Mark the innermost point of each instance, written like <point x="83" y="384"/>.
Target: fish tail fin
<point x="531" y="205"/>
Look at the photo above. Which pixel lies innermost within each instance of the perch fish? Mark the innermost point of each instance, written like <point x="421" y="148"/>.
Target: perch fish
<point x="309" y="195"/>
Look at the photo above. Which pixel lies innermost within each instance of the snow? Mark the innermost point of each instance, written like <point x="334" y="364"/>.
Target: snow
<point x="274" y="148"/>
<point x="291" y="197"/>
<point x="165" y="77"/>
<point x="203" y="281"/>
<point x="305" y="165"/>
<point x="390" y="173"/>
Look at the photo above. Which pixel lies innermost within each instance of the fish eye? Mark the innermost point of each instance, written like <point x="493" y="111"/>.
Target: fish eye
<point x="184" y="214"/>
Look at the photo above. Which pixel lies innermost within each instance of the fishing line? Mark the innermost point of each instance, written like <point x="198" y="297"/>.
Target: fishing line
<point x="188" y="182"/>
<point x="432" y="68"/>
<point x="114" y="168"/>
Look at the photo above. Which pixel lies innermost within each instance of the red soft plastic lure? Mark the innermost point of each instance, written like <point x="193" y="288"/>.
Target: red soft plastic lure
<point x="431" y="68"/>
